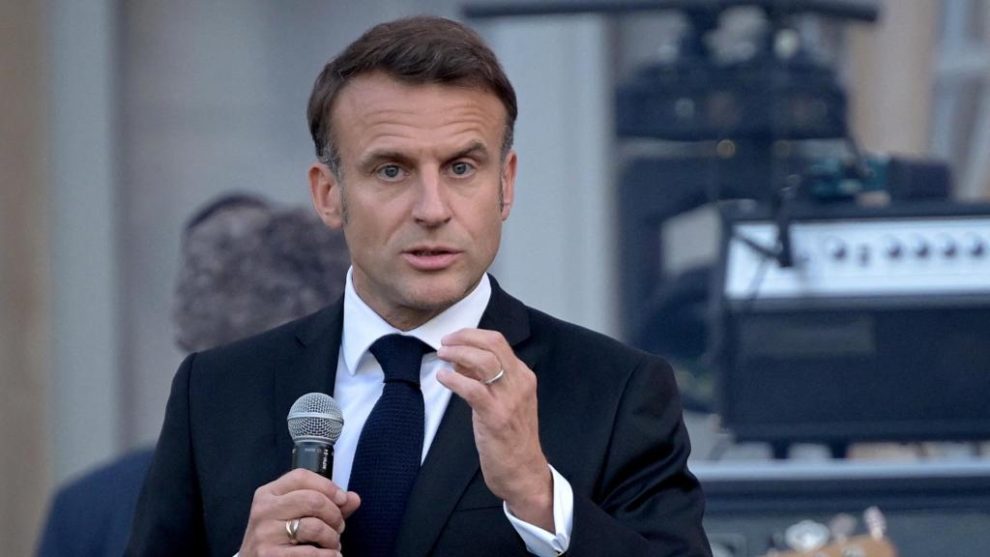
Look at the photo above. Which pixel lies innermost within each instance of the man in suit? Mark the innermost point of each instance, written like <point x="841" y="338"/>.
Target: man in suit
<point x="533" y="435"/>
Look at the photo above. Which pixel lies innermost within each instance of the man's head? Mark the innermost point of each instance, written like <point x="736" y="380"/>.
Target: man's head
<point x="248" y="266"/>
<point x="419" y="171"/>
<point x="414" y="51"/>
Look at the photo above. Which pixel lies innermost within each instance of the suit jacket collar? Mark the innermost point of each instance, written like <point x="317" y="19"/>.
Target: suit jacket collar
<point x="452" y="460"/>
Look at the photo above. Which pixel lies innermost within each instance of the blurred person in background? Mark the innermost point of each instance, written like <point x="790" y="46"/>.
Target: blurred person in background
<point x="246" y="266"/>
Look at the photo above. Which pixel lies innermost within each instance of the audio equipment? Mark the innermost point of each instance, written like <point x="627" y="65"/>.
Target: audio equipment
<point x="880" y="328"/>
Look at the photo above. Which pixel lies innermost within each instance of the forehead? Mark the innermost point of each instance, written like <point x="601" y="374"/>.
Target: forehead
<point x="377" y="110"/>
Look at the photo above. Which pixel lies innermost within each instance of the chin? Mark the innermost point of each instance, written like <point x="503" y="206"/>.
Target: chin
<point x="437" y="297"/>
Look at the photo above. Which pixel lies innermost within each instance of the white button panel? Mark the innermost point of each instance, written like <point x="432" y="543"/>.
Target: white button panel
<point x="870" y="257"/>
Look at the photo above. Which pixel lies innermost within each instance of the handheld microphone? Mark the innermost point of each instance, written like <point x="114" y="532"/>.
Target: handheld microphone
<point x="315" y="421"/>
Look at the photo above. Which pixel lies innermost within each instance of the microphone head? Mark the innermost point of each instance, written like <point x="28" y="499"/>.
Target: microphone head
<point x="315" y="417"/>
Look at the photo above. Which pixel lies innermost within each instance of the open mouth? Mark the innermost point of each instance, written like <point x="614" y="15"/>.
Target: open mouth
<point x="431" y="259"/>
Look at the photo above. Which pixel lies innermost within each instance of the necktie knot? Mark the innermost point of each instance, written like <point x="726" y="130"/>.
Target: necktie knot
<point x="400" y="357"/>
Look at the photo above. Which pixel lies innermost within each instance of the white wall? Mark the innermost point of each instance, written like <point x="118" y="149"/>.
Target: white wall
<point x="86" y="297"/>
<point x="557" y="252"/>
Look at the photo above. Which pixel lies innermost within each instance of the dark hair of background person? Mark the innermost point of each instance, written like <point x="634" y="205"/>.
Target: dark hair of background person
<point x="246" y="266"/>
<point x="416" y="51"/>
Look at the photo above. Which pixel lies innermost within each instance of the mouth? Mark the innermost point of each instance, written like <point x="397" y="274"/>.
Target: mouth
<point x="429" y="252"/>
<point x="431" y="258"/>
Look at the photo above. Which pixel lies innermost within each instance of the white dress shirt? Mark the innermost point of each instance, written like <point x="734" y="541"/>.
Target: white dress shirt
<point x="360" y="380"/>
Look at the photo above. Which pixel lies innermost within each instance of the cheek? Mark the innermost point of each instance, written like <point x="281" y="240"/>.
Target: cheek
<point x="369" y="239"/>
<point x="489" y="236"/>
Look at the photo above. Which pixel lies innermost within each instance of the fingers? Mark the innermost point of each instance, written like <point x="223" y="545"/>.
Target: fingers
<point x="473" y="362"/>
<point x="312" y="530"/>
<point x="304" y="479"/>
<point x="471" y="390"/>
<point x="352" y="504"/>
<point x="319" y="505"/>
<point x="307" y="551"/>
<point x="490" y="341"/>
<point x="478" y="354"/>
<point x="307" y="502"/>
<point x="305" y="493"/>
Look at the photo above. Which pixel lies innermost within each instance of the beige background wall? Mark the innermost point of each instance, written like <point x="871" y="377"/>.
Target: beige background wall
<point x="24" y="477"/>
<point x="891" y="67"/>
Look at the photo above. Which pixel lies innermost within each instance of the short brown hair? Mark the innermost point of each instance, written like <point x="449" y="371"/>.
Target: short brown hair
<point x="417" y="50"/>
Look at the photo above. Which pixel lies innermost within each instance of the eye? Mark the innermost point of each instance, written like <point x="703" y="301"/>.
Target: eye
<point x="390" y="172"/>
<point x="461" y="168"/>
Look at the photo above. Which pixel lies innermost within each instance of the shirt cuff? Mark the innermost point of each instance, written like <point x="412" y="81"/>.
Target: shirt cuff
<point x="538" y="541"/>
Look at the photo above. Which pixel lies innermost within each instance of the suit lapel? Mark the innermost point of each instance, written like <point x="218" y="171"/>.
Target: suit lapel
<point x="319" y="342"/>
<point x="452" y="460"/>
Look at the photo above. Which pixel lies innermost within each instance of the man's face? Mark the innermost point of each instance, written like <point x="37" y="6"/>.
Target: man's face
<point x="422" y="192"/>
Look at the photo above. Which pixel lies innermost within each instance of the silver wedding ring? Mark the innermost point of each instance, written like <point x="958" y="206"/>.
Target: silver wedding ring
<point x="497" y="376"/>
<point x="292" y="529"/>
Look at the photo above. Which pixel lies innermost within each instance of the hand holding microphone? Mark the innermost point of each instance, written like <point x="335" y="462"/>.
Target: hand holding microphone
<point x="303" y="507"/>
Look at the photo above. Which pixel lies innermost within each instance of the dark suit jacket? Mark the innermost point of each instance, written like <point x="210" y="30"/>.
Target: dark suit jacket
<point x="92" y="516"/>
<point x="610" y="422"/>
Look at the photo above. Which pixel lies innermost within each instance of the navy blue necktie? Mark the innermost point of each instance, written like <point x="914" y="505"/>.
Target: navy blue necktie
<point x="388" y="454"/>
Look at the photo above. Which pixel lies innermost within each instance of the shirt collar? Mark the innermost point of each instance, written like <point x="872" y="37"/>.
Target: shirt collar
<point x="362" y="326"/>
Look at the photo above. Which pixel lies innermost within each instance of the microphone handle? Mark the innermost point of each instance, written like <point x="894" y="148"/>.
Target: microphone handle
<point x="313" y="456"/>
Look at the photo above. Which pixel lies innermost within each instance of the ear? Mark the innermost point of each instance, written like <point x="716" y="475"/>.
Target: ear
<point x="508" y="183"/>
<point x="326" y="192"/>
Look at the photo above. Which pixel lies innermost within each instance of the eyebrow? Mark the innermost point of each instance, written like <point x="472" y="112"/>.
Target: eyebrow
<point x="369" y="161"/>
<point x="475" y="149"/>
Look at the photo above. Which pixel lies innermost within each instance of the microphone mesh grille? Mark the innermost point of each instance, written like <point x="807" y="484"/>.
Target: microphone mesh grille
<point x="315" y="417"/>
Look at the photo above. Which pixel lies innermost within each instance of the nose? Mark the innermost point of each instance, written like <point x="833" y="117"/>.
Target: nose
<point x="431" y="207"/>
